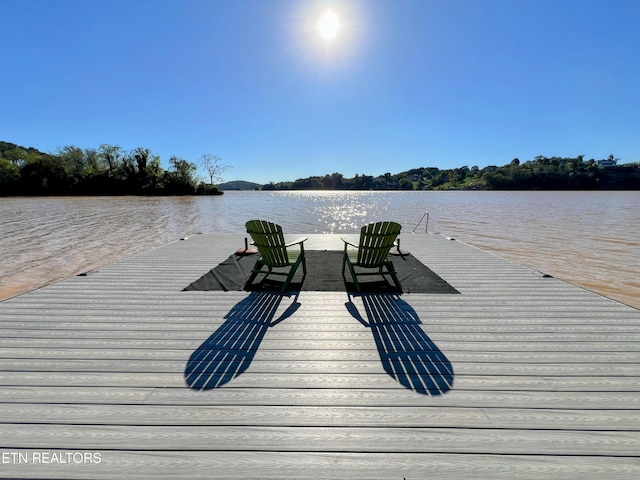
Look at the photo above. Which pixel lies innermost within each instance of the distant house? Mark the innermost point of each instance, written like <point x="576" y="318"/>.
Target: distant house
<point x="607" y="163"/>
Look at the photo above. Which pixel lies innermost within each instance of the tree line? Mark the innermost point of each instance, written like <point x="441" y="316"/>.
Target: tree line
<point x="106" y="170"/>
<point x="541" y="173"/>
<point x="111" y="170"/>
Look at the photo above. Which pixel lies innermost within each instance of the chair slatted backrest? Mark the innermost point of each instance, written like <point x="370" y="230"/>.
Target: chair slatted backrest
<point x="376" y="239"/>
<point x="269" y="240"/>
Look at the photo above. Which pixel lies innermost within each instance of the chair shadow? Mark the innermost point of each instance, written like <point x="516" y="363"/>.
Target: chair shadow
<point x="229" y="351"/>
<point x="407" y="353"/>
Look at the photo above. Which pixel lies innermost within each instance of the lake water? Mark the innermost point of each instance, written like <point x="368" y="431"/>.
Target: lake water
<point x="591" y="239"/>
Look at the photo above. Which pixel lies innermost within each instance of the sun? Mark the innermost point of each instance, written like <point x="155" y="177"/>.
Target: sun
<point x="329" y="25"/>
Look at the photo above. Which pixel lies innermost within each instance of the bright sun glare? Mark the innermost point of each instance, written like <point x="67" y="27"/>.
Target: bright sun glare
<point x="329" y="25"/>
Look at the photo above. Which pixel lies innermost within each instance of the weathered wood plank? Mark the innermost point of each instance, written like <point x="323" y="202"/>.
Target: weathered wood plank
<point x="346" y="397"/>
<point x="320" y="368"/>
<point x="319" y="439"/>
<point x="308" y="379"/>
<point x="187" y="345"/>
<point x="546" y="376"/>
<point x="326" y="465"/>
<point x="462" y="355"/>
<point x="210" y="320"/>
<point x="296" y="416"/>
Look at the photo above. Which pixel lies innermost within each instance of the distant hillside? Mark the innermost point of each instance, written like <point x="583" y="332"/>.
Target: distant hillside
<point x="541" y="173"/>
<point x="111" y="170"/>
<point x="239" y="185"/>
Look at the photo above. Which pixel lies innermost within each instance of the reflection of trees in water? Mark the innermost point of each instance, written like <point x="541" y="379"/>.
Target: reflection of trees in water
<point x="406" y="351"/>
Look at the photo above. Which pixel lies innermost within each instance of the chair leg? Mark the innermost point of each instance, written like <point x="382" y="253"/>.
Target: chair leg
<point x="292" y="272"/>
<point x="254" y="273"/>
<point x="355" y="278"/>
<point x="394" y="276"/>
<point x="287" y="282"/>
<point x="345" y="261"/>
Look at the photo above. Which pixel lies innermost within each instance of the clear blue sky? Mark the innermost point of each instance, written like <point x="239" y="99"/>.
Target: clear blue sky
<point x="406" y="83"/>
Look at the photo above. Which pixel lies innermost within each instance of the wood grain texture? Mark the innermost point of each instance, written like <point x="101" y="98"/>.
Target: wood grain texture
<point x="519" y="376"/>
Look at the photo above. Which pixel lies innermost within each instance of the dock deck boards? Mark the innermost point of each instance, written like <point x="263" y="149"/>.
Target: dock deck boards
<point x="525" y="376"/>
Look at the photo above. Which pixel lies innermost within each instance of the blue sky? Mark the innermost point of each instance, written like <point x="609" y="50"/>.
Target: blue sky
<point x="405" y="84"/>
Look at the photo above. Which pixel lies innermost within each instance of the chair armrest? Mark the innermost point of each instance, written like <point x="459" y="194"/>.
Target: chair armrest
<point x="347" y="242"/>
<point x="295" y="242"/>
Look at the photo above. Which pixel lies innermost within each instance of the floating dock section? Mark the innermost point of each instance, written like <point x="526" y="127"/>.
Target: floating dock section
<point x="119" y="373"/>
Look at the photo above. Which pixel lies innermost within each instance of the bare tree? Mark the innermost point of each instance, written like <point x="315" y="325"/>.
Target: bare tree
<point x="214" y="166"/>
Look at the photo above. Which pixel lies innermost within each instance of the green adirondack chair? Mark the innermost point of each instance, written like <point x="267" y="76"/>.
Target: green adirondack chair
<point x="376" y="239"/>
<point x="274" y="254"/>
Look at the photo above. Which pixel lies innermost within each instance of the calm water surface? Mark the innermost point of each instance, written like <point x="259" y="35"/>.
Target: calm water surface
<point x="591" y="239"/>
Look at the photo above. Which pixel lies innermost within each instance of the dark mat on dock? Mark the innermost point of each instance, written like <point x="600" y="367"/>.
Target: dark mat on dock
<point x="324" y="274"/>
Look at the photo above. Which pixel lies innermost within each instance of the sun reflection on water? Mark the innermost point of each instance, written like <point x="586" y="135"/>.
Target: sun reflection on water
<point x="587" y="238"/>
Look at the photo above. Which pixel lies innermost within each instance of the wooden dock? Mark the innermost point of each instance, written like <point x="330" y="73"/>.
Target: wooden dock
<point x="518" y="376"/>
